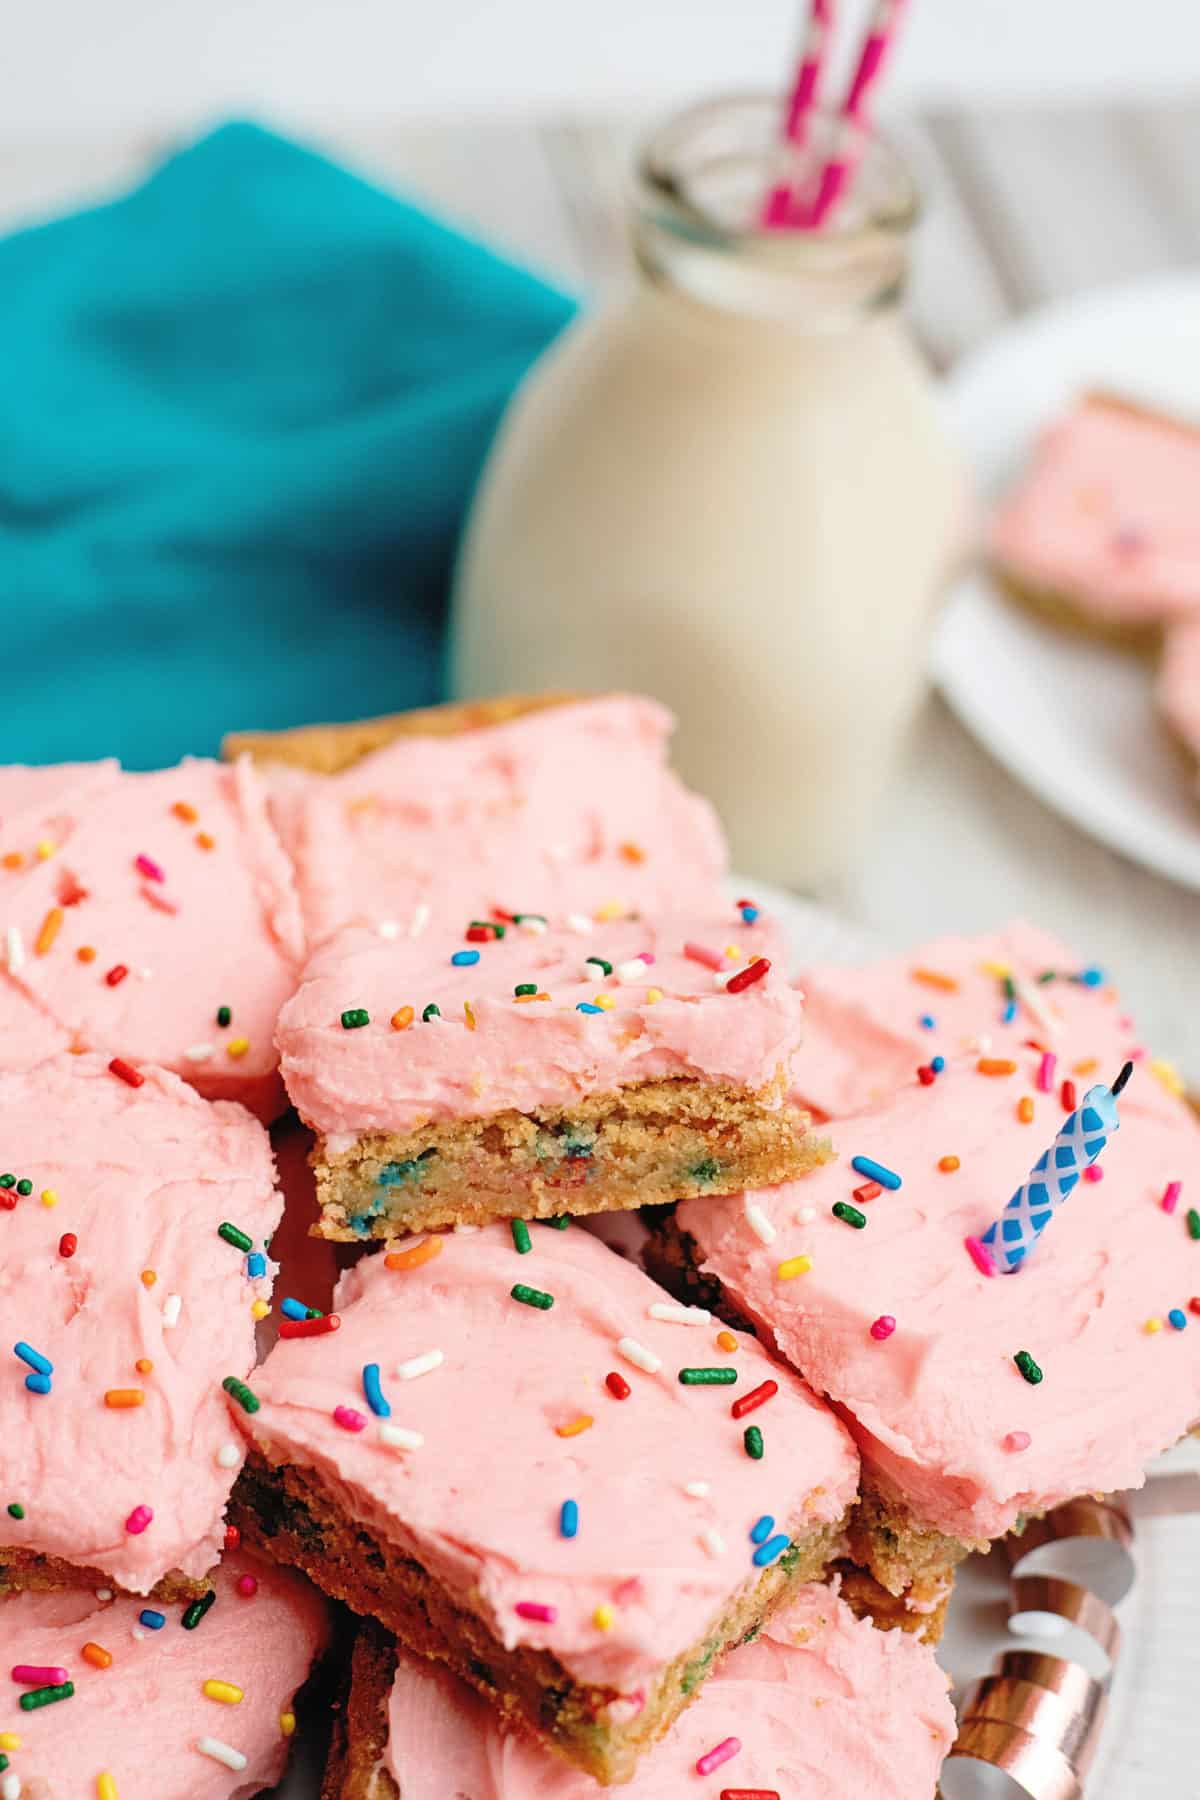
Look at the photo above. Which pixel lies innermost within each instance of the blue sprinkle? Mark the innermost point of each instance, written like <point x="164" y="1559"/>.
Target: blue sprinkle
<point x="463" y="959"/>
<point x="937" y="1064"/>
<point x="586" y="1006"/>
<point x="874" y="1171"/>
<point x="1090" y="977"/>
<point x="36" y="1361"/>
<point x="1177" y="1318"/>
<point x="762" y="1529"/>
<point x="374" y="1393"/>
<point x="568" y="1518"/>
<point x="293" y="1309"/>
<point x="749" y="914"/>
<point x="256" y="1265"/>
<point x="38" y="1384"/>
<point x="927" y="1022"/>
<point x="153" y="1621"/>
<point x="771" y="1551"/>
<point x="1009" y="1013"/>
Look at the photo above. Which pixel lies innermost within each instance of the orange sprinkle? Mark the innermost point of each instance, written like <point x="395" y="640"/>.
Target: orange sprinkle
<point x="13" y="859"/>
<point x="183" y="809"/>
<point x="996" y="1065"/>
<point x="206" y="841"/>
<point x="402" y="1018"/>
<point x="123" y="1398"/>
<point x="584" y="1422"/>
<point x="144" y="1366"/>
<point x="932" y="978"/>
<point x="97" y="1655"/>
<point x="149" y="1277"/>
<point x="1088" y="1066"/>
<point x="1025" y="1109"/>
<point x="948" y="1164"/>
<point x="524" y="999"/>
<point x="633" y="853"/>
<point x="726" y="1341"/>
<point x="85" y="953"/>
<point x="412" y="1259"/>
<point x="51" y="926"/>
<point x="470" y="1016"/>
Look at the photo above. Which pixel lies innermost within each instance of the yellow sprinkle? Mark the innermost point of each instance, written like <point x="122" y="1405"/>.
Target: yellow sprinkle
<point x="726" y="1341"/>
<point x="1167" y="1076"/>
<point x="237" y="1048"/>
<point x="10" y="1740"/>
<point x="732" y="951"/>
<point x="1025" y="1109"/>
<point x="49" y="1197"/>
<point x="287" y="1723"/>
<point x="470" y="1016"/>
<point x="45" y="850"/>
<point x="653" y="994"/>
<point x="998" y="970"/>
<point x="1151" y="1326"/>
<point x="583" y="1423"/>
<point x="149" y="1277"/>
<point x="259" y="1310"/>
<point x="224" y="1691"/>
<point x="106" y="1787"/>
<point x="795" y="1265"/>
<point x="612" y="909"/>
<point x="51" y="926"/>
<point x="603" y="1618"/>
<point x="604" y="1001"/>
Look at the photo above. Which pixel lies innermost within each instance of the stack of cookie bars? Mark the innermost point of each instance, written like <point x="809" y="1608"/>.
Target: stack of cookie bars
<point x="681" y="1513"/>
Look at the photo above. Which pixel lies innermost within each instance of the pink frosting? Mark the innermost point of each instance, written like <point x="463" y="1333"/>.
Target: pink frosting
<point x="539" y="1053"/>
<point x="1105" y="514"/>
<point x="138" y="1720"/>
<point x="933" y="1404"/>
<point x="220" y="928"/>
<point x="479" y="1502"/>
<point x="821" y="1703"/>
<point x="864" y="1040"/>
<point x="1179" y="682"/>
<point x="169" y="1168"/>
<point x="570" y="808"/>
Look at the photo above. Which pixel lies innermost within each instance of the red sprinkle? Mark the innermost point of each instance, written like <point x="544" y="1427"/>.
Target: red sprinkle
<point x="116" y="975"/>
<point x="1194" y="1305"/>
<point x="748" y="976"/>
<point x="479" y="934"/>
<point x="125" y="1072"/>
<point x="247" y="1586"/>
<point x="68" y="1244"/>
<point x="8" y="1199"/>
<point x="883" y="1327"/>
<point x="870" y="1190"/>
<point x="926" y="1076"/>
<point x="233" y="1537"/>
<point x="757" y="1397"/>
<point x="301" y="1328"/>
<point x="749" y="1794"/>
<point x="617" y="1385"/>
<point x="1068" y="1096"/>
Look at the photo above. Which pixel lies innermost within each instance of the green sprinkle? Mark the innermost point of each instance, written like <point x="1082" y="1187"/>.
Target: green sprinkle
<point x="46" y="1696"/>
<point x="1047" y="975"/>
<point x="487" y="925"/>
<point x="521" y="1237"/>
<point x="598" y="962"/>
<point x="432" y="1011"/>
<point x="3" y="1762"/>
<point x="7" y="1181"/>
<point x="224" y="1015"/>
<point x="15" y="1510"/>
<point x="233" y="1236"/>
<point x="850" y="1214"/>
<point x="1028" y="1367"/>
<point x="1193" y="1223"/>
<point x="354" y="1017"/>
<point x="1010" y="988"/>
<point x="24" y="1186"/>
<point x="522" y="918"/>
<point x="526" y="987"/>
<point x="753" y="1440"/>
<point x="196" y="1611"/>
<point x="530" y="1296"/>
<point x="248" y="1401"/>
<point x="722" y="1377"/>
<point x="313" y="1312"/>
<point x="558" y="1223"/>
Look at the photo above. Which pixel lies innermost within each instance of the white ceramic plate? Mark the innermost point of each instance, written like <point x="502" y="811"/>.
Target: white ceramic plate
<point x="1148" y="1748"/>
<point x="1074" y="720"/>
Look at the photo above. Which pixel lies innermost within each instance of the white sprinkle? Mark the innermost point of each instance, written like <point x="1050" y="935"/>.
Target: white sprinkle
<point x="14" y="950"/>
<point x="172" y="1307"/>
<point x="104" y="1594"/>
<point x="535" y="927"/>
<point x="629" y="972"/>
<point x="228" y="1456"/>
<point x="580" y="924"/>
<point x="144" y="974"/>
<point x="713" y="1542"/>
<point x="983" y="1043"/>
<point x="222" y="1753"/>
<point x="399" y="1438"/>
<point x="420" y="1365"/>
<point x="671" y="1314"/>
<point x="420" y="920"/>
<point x="464" y="1230"/>
<point x="722" y="977"/>
<point x="639" y="1356"/>
<point x="198" y="1052"/>
<point x="1031" y="1000"/>
<point x="758" y="1222"/>
<point x="697" y="1490"/>
<point x="388" y="928"/>
<point x="806" y="1215"/>
<point x="593" y="970"/>
<point x="10" y="1787"/>
<point x="136" y="1632"/>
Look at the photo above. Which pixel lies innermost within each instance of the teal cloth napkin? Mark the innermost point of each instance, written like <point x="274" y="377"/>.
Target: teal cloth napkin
<point x="243" y="409"/>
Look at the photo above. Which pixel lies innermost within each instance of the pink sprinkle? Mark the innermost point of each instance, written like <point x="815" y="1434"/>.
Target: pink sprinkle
<point x="1137" y="1054"/>
<point x="1045" y="1074"/>
<point x="145" y="865"/>
<point x="138" y="1520"/>
<point x="630" y="1592"/>
<point x="533" y="1609"/>
<point x="883" y="1327"/>
<point x="1093" y="1172"/>
<point x="720" y="1753"/>
<point x="646" y="956"/>
<point x="980" y="1256"/>
<point x="1170" y="1199"/>
<point x="39" y="1675"/>
<point x="712" y="959"/>
<point x="163" y="902"/>
<point x="247" y="1586"/>
<point x="348" y="1419"/>
<point x="1017" y="1440"/>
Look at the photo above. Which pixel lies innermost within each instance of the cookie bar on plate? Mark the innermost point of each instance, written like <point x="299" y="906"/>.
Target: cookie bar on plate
<point x="523" y="1459"/>
<point x="536" y="1067"/>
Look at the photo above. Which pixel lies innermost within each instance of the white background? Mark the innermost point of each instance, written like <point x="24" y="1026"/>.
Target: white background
<point x="71" y="66"/>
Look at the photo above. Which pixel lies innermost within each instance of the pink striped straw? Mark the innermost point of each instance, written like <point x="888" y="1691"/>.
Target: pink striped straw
<point x="803" y="97"/>
<point x="839" y="171"/>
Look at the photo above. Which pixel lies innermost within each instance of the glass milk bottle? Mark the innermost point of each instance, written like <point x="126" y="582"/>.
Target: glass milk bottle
<point x="731" y="490"/>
